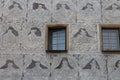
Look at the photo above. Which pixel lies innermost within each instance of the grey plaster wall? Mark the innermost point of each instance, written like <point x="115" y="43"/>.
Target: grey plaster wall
<point x="22" y="40"/>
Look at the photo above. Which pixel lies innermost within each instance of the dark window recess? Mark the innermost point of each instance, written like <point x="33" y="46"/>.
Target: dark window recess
<point x="57" y="39"/>
<point x="110" y="39"/>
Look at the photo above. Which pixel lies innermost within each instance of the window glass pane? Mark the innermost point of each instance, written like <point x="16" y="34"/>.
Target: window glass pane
<point x="114" y="44"/>
<point x="110" y="39"/>
<point x="105" y="40"/>
<point x="107" y="47"/>
<point x="115" y="48"/>
<point x="54" y="41"/>
<point x="107" y="37"/>
<point x="61" y="47"/>
<point x="62" y="33"/>
<point x="57" y="39"/>
<point x="63" y="37"/>
<point x="114" y="34"/>
<point x="62" y="41"/>
<point x="114" y="37"/>
<point x="114" y="41"/>
<point x="105" y="34"/>
<point x="54" y="34"/>
<point x="54" y="47"/>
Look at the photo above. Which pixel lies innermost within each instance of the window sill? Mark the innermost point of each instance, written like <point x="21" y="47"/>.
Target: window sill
<point x="56" y="51"/>
<point x="111" y="51"/>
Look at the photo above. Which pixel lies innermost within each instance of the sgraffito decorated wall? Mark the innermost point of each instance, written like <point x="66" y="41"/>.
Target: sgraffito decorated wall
<point x="22" y="40"/>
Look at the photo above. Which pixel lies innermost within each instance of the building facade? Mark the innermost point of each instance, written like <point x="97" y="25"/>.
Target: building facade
<point x="24" y="40"/>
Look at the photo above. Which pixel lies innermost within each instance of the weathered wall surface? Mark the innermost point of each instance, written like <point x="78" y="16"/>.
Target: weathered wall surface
<point x="22" y="50"/>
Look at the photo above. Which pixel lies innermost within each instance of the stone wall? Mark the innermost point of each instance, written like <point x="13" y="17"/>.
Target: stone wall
<point x="22" y="50"/>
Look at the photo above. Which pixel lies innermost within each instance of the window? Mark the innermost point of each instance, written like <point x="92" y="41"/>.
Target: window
<point x="110" y="37"/>
<point x="57" y="38"/>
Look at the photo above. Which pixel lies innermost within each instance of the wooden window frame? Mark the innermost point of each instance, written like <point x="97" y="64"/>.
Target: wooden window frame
<point x="57" y="26"/>
<point x="108" y="26"/>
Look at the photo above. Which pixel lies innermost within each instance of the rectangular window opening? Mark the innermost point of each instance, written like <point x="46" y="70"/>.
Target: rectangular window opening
<point x="57" y="38"/>
<point x="110" y="37"/>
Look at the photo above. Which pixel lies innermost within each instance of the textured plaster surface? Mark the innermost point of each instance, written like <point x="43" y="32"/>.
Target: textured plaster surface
<point x="22" y="40"/>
